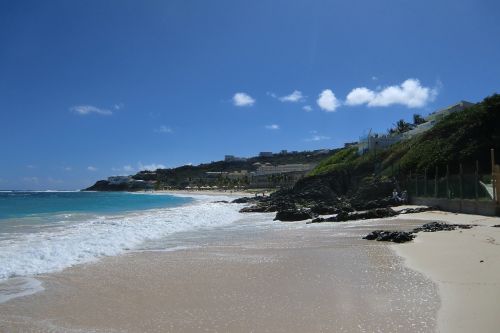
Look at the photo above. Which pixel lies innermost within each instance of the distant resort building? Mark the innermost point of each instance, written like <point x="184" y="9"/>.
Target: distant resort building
<point x="232" y="158"/>
<point x="265" y="154"/>
<point x="374" y="142"/>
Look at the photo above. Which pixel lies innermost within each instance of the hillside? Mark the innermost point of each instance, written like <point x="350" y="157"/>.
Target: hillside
<point x="461" y="137"/>
<point x="181" y="177"/>
<point x="464" y="137"/>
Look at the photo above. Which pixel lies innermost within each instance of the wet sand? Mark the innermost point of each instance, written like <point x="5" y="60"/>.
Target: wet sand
<point x="277" y="278"/>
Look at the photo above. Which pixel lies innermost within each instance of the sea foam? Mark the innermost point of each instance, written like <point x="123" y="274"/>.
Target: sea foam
<point x="76" y="243"/>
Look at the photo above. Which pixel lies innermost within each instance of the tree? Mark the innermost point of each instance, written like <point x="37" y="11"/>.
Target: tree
<point x="402" y="126"/>
<point x="418" y="119"/>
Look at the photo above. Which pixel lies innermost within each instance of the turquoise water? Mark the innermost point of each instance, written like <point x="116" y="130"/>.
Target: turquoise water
<point x="26" y="204"/>
<point x="43" y="232"/>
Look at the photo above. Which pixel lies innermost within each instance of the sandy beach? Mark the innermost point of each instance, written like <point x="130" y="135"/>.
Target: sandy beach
<point x="465" y="264"/>
<point x="264" y="276"/>
<point x="258" y="276"/>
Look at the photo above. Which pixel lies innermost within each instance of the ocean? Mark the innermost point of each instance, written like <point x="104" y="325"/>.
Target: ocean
<point x="43" y="232"/>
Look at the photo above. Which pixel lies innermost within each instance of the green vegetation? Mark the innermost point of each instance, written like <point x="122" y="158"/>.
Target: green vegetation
<point x="461" y="137"/>
<point x="342" y="159"/>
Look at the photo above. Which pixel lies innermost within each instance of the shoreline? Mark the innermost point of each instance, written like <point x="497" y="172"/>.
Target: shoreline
<point x="435" y="283"/>
<point x="256" y="275"/>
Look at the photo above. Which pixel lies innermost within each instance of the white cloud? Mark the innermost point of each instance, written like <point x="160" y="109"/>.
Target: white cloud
<point x="410" y="93"/>
<point x="271" y="94"/>
<point x="88" y="109"/>
<point x="128" y="168"/>
<point x="118" y="106"/>
<point x="150" y="167"/>
<point x="91" y="168"/>
<point x="164" y="129"/>
<point x="359" y="96"/>
<point x="294" y="97"/>
<point x="67" y="168"/>
<point x="327" y="101"/>
<point x="243" y="99"/>
<point x="317" y="137"/>
<point x="272" y="127"/>
<point x="374" y="78"/>
<point x="307" y="108"/>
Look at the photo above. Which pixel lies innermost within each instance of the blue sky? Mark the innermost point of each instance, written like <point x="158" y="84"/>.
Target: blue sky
<point x="90" y="89"/>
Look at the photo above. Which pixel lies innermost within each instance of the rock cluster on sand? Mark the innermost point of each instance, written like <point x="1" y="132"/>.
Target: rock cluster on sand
<point x="390" y="236"/>
<point x="406" y="236"/>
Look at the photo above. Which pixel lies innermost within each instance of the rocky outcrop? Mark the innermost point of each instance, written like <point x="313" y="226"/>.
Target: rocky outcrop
<point x="326" y="195"/>
<point x="390" y="236"/>
<point x="406" y="236"/>
<point x="293" y="215"/>
<point x="439" y="226"/>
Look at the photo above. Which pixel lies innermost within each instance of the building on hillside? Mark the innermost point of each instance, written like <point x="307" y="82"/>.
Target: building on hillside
<point x="436" y="116"/>
<point x="232" y="158"/>
<point x="271" y="176"/>
<point x="441" y="113"/>
<point x="265" y="154"/>
<point x="237" y="175"/>
<point x="374" y="142"/>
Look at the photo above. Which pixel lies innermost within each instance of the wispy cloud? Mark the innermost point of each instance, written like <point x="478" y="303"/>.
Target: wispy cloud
<point x="31" y="166"/>
<point x="67" y="168"/>
<point x="410" y="93"/>
<point x="307" y="108"/>
<point x="243" y="99"/>
<point x="317" y="137"/>
<point x="327" y="101"/>
<point x="294" y="97"/>
<point x="91" y="168"/>
<point x="118" y="106"/>
<point x="89" y="109"/>
<point x="272" y="127"/>
<point x="150" y="167"/>
<point x="164" y="129"/>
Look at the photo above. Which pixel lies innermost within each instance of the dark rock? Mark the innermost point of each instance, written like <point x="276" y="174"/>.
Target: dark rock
<point x="293" y="215"/>
<point x="323" y="219"/>
<point x="496" y="226"/>
<point x="390" y="236"/>
<point x="245" y="200"/>
<point x="259" y="208"/>
<point x="220" y="201"/>
<point x="415" y="210"/>
<point x="369" y="214"/>
<point x="440" y="226"/>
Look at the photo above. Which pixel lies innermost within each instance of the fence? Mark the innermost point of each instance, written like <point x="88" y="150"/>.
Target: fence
<point x="468" y="183"/>
<point x="468" y="189"/>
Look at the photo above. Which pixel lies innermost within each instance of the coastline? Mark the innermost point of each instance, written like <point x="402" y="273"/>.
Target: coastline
<point x="255" y="275"/>
<point x="283" y="277"/>
<point x="465" y="264"/>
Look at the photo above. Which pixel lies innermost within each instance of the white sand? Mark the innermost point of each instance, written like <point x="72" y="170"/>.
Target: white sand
<point x="466" y="266"/>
